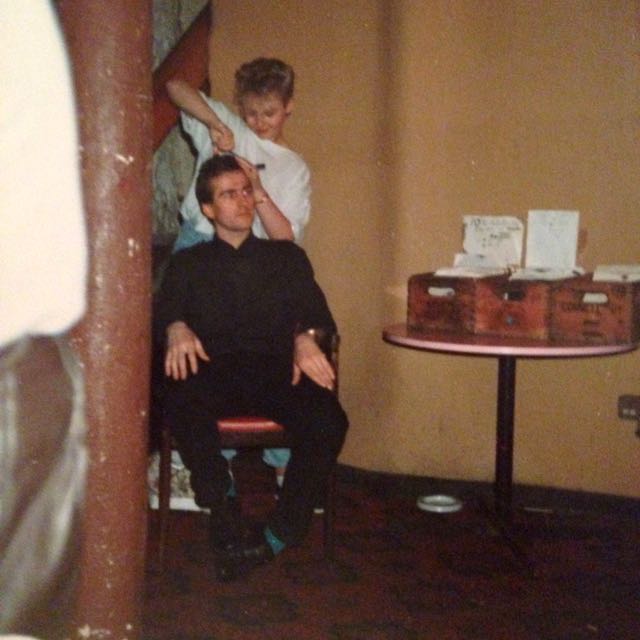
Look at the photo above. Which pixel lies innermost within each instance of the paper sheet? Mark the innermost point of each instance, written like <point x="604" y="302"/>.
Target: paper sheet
<point x="470" y="271"/>
<point x="552" y="239"/>
<point x="497" y="240"/>
<point x="617" y="273"/>
<point x="529" y="273"/>
<point x="472" y="260"/>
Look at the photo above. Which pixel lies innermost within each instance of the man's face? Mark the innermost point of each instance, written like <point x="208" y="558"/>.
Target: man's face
<point x="233" y="203"/>
<point x="265" y="115"/>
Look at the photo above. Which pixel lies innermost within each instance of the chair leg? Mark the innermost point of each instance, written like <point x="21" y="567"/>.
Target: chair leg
<point x="164" y="492"/>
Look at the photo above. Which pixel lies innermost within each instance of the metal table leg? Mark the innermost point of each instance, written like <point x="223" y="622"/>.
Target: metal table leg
<point x="504" y="436"/>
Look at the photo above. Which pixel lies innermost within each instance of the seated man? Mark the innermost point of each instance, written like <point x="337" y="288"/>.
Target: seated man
<point x="236" y="314"/>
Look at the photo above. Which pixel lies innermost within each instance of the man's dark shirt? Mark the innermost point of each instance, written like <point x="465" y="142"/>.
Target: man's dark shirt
<point x="254" y="298"/>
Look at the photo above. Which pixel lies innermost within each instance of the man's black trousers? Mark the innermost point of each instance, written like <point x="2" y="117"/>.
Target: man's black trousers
<point x="257" y="384"/>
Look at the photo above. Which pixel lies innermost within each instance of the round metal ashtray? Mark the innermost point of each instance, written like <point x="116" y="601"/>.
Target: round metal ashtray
<point x="439" y="503"/>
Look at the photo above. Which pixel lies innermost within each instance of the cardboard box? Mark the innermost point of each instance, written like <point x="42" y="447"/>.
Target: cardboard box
<point x="591" y="312"/>
<point x="445" y="303"/>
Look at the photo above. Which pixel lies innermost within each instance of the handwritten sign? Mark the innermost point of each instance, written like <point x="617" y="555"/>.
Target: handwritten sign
<point x="498" y="239"/>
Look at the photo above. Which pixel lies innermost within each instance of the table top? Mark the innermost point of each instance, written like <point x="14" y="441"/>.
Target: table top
<point x="471" y="344"/>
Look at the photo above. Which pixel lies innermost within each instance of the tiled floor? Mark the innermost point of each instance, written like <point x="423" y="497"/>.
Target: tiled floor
<point x="570" y="571"/>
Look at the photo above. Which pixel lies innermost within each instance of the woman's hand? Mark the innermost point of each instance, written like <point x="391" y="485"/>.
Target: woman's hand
<point x="253" y="174"/>
<point x="221" y="137"/>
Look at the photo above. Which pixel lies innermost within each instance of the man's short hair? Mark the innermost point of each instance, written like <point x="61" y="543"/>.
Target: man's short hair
<point x="210" y="169"/>
<point x="262" y="76"/>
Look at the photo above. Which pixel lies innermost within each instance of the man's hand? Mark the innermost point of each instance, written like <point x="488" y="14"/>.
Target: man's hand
<point x="183" y="350"/>
<point x="309" y="359"/>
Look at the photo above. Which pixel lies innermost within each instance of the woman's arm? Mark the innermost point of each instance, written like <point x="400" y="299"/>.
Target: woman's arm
<point x="189" y="100"/>
<point x="273" y="220"/>
<point x="275" y="223"/>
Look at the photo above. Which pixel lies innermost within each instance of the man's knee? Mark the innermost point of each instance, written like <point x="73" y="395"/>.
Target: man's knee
<point x="329" y="424"/>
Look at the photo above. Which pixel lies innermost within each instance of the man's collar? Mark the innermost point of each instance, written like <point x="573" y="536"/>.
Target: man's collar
<point x="247" y="243"/>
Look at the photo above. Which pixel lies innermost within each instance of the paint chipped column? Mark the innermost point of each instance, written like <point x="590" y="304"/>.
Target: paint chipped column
<point x="110" y="47"/>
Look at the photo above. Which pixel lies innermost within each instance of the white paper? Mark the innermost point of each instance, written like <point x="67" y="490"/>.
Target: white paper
<point x="529" y="273"/>
<point x="471" y="271"/>
<point x="496" y="239"/>
<point x="473" y="260"/>
<point x="617" y="273"/>
<point x="552" y="239"/>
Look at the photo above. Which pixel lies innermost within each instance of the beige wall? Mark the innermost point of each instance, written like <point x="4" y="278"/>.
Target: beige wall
<point x="412" y="114"/>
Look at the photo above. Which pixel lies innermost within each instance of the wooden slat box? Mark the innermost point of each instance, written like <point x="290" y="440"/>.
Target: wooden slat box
<point x="515" y="308"/>
<point x="444" y="303"/>
<point x="595" y="312"/>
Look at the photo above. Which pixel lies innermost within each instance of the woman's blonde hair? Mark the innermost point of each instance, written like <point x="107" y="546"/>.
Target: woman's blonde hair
<point x="262" y="76"/>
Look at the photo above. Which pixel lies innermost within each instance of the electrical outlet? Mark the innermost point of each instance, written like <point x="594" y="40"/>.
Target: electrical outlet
<point x="629" y="407"/>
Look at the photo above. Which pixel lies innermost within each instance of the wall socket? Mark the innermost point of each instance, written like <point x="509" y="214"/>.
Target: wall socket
<point x="629" y="407"/>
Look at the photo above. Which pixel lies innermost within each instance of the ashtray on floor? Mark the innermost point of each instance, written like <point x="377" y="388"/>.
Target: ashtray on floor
<point x="439" y="503"/>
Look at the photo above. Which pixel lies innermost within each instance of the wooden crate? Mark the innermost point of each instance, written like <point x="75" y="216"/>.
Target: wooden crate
<point x="444" y="303"/>
<point x="595" y="312"/>
<point x="516" y="309"/>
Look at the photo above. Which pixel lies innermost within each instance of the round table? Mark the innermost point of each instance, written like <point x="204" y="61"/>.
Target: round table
<point x="507" y="350"/>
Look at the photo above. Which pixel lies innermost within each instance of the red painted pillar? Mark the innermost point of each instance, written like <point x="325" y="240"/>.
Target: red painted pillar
<point x="110" y="48"/>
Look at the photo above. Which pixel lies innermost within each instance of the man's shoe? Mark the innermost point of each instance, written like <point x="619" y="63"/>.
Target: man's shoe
<point x="254" y="554"/>
<point x="226" y="570"/>
<point x="240" y="560"/>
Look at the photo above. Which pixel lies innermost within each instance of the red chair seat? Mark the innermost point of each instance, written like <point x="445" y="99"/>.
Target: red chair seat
<point x="251" y="431"/>
<point x="248" y="423"/>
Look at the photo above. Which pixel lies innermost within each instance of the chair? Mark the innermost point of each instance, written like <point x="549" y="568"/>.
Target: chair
<point x="238" y="432"/>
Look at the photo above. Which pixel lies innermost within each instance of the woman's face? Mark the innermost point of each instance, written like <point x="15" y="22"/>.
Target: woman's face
<point x="265" y="115"/>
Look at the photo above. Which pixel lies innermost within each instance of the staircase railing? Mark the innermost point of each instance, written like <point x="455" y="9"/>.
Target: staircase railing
<point x="190" y="60"/>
